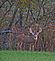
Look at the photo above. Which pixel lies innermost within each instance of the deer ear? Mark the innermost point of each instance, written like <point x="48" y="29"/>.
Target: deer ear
<point x="30" y="30"/>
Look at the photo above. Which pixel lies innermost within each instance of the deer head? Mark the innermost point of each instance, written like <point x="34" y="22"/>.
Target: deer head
<point x="35" y="33"/>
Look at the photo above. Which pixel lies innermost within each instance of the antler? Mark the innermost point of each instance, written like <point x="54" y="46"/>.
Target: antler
<point x="40" y="30"/>
<point x="31" y="31"/>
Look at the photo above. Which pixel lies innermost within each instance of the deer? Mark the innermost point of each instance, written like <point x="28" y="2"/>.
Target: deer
<point x="30" y="40"/>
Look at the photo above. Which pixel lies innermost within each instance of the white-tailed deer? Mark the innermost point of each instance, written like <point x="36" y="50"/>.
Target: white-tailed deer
<point x="23" y="39"/>
<point x="32" y="39"/>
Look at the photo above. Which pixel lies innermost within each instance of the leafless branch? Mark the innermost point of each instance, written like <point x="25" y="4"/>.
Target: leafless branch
<point x="13" y="16"/>
<point x="6" y="12"/>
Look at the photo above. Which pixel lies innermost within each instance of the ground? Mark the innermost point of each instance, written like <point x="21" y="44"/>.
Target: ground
<point x="26" y="56"/>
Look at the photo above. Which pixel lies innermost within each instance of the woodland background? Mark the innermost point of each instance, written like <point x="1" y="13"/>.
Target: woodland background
<point x="18" y="15"/>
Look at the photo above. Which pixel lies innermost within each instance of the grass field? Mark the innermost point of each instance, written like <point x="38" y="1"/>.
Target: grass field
<point x="26" y="56"/>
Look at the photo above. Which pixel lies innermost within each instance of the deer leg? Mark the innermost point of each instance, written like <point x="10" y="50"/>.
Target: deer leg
<point x="33" y="47"/>
<point x="24" y="46"/>
<point x="18" y="45"/>
<point x="21" y="46"/>
<point x="30" y="48"/>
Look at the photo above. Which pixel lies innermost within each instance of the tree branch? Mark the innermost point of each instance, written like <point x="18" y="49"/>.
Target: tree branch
<point x="6" y="12"/>
<point x="13" y="16"/>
